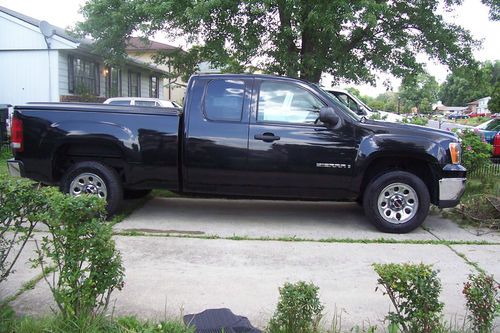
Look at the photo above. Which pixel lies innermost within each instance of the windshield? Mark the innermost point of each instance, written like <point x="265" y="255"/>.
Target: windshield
<point x="494" y="125"/>
<point x="338" y="103"/>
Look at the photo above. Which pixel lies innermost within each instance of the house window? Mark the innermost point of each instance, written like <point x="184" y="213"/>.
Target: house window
<point x="154" y="87"/>
<point x="134" y="84"/>
<point x="113" y="82"/>
<point x="83" y="76"/>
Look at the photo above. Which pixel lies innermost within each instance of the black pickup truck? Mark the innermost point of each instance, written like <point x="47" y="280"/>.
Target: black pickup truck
<point x="242" y="135"/>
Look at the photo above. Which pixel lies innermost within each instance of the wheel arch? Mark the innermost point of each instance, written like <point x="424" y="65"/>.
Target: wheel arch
<point x="417" y="165"/>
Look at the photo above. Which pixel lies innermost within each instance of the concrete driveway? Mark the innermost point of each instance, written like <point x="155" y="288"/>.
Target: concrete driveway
<point x="186" y="255"/>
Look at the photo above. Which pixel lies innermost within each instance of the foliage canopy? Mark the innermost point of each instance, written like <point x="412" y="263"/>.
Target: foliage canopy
<point x="299" y="38"/>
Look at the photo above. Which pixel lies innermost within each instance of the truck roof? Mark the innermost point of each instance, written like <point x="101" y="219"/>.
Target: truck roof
<point x="249" y="76"/>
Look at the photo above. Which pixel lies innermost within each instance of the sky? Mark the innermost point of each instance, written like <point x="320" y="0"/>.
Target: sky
<point x="472" y="15"/>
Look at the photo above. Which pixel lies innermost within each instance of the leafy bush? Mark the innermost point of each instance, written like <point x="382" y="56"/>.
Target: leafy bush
<point x="482" y="300"/>
<point x="414" y="291"/>
<point x="298" y="311"/>
<point x="475" y="152"/>
<point x="377" y="116"/>
<point x="21" y="207"/>
<point x="416" y="121"/>
<point x="88" y="266"/>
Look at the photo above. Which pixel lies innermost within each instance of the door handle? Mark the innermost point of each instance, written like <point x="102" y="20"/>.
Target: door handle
<point x="266" y="137"/>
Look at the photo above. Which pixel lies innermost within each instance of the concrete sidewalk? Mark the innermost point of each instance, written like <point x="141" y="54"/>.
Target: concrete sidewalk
<point x="171" y="276"/>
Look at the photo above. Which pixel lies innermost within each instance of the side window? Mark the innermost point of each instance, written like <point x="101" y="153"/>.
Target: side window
<point x="119" y="102"/>
<point x="283" y="102"/>
<point x="348" y="101"/>
<point x="139" y="102"/>
<point x="224" y="100"/>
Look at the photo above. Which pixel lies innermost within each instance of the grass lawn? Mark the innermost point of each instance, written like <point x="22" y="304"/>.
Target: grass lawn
<point x="472" y="121"/>
<point x="5" y="154"/>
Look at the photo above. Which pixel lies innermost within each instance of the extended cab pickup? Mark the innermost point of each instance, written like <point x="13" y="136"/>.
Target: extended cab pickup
<point x="242" y="135"/>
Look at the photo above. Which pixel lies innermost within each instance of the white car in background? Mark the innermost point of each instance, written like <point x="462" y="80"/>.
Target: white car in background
<point x="142" y="101"/>
<point x="361" y="108"/>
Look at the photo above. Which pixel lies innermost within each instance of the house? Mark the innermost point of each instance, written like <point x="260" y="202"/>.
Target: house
<point x="443" y="109"/>
<point x="43" y="63"/>
<point x="145" y="50"/>
<point x="479" y="106"/>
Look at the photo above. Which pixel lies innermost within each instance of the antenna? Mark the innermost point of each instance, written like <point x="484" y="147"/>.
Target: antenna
<point x="47" y="29"/>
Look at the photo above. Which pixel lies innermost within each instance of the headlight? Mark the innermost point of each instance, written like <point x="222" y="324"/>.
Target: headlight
<point x="455" y="152"/>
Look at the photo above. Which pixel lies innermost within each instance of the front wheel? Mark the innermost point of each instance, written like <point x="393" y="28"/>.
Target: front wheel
<point x="396" y="202"/>
<point x="96" y="179"/>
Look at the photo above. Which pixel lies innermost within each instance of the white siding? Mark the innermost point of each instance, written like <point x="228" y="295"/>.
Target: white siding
<point x="26" y="77"/>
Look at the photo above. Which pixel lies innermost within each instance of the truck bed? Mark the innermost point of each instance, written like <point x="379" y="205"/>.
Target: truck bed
<point x="141" y="143"/>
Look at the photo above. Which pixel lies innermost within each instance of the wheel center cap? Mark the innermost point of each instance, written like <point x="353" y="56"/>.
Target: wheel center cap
<point x="397" y="202"/>
<point x="90" y="189"/>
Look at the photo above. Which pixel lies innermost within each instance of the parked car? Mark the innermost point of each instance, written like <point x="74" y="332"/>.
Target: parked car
<point x="490" y="131"/>
<point x="142" y="101"/>
<point x="457" y="115"/>
<point x="478" y="114"/>
<point x="5" y="115"/>
<point x="243" y="135"/>
<point x="361" y="108"/>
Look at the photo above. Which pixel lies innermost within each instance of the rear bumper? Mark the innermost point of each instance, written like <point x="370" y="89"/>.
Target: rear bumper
<point x="452" y="187"/>
<point x="16" y="168"/>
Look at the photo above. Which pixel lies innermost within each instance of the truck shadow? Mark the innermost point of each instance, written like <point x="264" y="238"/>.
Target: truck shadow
<point x="251" y="218"/>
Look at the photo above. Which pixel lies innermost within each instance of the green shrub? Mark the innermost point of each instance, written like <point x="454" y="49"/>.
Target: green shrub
<point x="482" y="301"/>
<point x="299" y="309"/>
<point x="22" y="205"/>
<point x="416" y="121"/>
<point x="88" y="266"/>
<point x="475" y="152"/>
<point x="414" y="292"/>
<point x="377" y="116"/>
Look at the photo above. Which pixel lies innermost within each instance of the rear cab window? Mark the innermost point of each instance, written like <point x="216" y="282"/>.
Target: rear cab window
<point x="224" y="100"/>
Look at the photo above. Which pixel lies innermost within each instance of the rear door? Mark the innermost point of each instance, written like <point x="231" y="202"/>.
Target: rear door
<point x="216" y="135"/>
<point x="291" y="153"/>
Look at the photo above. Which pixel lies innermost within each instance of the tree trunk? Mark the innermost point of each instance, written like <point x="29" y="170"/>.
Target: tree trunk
<point x="308" y="67"/>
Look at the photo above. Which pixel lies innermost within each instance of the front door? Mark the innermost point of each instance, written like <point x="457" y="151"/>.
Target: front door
<point x="291" y="153"/>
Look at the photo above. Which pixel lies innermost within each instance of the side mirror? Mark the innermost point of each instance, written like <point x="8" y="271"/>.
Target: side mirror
<point x="361" y="111"/>
<point x="327" y="115"/>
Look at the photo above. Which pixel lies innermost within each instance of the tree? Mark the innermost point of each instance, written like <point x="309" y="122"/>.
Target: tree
<point x="494" y="103"/>
<point x="494" y="9"/>
<point x="298" y="38"/>
<point x="420" y="92"/>
<point x="470" y="83"/>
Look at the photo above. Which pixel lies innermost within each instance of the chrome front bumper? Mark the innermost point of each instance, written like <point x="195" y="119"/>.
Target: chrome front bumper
<point x="450" y="191"/>
<point x="15" y="168"/>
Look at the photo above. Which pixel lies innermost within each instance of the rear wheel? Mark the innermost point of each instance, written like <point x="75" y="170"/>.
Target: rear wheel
<point x="396" y="202"/>
<point x="96" y="179"/>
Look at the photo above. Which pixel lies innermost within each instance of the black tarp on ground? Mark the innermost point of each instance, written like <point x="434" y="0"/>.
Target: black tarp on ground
<point x="219" y="320"/>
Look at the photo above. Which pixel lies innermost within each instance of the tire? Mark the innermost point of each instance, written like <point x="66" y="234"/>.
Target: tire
<point x="94" y="178"/>
<point x="396" y="202"/>
<point x="135" y="194"/>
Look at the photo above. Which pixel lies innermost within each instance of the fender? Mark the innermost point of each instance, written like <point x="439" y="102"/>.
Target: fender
<point x="396" y="146"/>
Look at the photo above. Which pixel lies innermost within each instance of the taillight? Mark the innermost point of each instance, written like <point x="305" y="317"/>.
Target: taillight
<point x="16" y="134"/>
<point x="496" y="145"/>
